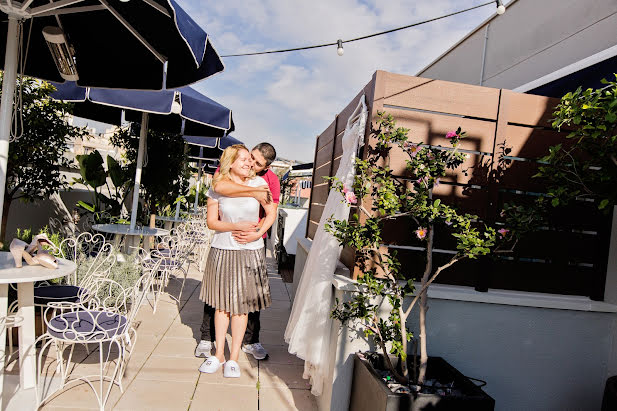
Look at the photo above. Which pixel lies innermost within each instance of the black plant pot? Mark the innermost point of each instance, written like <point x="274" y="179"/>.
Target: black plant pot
<point x="609" y="402"/>
<point x="370" y="393"/>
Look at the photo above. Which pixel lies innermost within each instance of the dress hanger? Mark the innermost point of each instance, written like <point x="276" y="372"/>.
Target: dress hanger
<point x="355" y="116"/>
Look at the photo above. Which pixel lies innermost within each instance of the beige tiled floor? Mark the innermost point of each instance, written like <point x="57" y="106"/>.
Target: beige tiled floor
<point x="162" y="373"/>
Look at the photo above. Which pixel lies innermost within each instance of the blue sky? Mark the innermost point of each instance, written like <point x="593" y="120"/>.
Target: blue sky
<point x="288" y="99"/>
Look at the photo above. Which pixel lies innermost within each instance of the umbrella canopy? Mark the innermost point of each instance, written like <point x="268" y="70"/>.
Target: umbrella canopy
<point x="114" y="44"/>
<point x="208" y="148"/>
<point x="193" y="112"/>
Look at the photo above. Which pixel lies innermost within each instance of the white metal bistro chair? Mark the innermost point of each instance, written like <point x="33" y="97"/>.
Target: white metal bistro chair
<point x="106" y="321"/>
<point x="94" y="258"/>
<point x="196" y="230"/>
<point x="173" y="256"/>
<point x="6" y="325"/>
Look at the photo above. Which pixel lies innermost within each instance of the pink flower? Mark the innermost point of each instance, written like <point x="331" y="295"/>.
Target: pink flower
<point x="350" y="197"/>
<point x="502" y="232"/>
<point x="421" y="233"/>
<point x="422" y="180"/>
<point x="451" y="134"/>
<point x="345" y="190"/>
<point x="430" y="155"/>
<point x="436" y="182"/>
<point x="413" y="149"/>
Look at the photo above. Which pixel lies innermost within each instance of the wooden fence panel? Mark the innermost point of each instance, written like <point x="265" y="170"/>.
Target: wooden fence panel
<point x="440" y="96"/>
<point x="507" y="133"/>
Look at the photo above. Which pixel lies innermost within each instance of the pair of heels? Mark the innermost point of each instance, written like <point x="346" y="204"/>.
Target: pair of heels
<point x="24" y="251"/>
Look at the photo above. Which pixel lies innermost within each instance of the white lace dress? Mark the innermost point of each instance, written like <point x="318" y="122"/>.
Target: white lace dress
<point x="308" y="329"/>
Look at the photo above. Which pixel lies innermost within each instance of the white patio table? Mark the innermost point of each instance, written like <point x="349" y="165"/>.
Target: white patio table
<point x="25" y="278"/>
<point x="168" y="221"/>
<point x="133" y="236"/>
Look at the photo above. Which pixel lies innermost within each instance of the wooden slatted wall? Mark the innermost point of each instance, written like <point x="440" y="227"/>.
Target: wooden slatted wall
<point x="567" y="257"/>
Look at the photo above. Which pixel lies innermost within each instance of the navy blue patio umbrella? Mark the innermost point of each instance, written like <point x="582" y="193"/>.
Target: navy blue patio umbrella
<point x="176" y="110"/>
<point x="138" y="44"/>
<point x="208" y="148"/>
<point x="194" y="113"/>
<point x="206" y="151"/>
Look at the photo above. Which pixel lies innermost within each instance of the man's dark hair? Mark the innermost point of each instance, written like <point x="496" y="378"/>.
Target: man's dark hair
<point x="266" y="150"/>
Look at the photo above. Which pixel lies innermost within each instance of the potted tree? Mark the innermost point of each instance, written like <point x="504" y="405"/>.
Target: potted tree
<point x="378" y="197"/>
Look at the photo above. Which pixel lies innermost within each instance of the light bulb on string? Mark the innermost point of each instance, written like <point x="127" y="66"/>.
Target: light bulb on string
<point x="339" y="50"/>
<point x="500" y="7"/>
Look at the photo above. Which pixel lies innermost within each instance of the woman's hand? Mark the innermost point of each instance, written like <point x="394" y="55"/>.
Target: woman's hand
<point x="245" y="237"/>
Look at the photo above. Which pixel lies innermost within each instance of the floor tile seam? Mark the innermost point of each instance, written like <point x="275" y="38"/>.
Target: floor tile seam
<point x="126" y="388"/>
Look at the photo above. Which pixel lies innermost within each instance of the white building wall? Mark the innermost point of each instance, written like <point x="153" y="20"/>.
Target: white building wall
<point x="535" y="351"/>
<point x="533" y="38"/>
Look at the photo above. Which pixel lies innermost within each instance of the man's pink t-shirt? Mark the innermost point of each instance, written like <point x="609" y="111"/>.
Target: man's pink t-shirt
<point x="275" y="188"/>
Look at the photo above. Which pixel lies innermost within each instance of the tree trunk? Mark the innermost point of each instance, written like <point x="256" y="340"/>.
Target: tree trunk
<point x="5" y="215"/>
<point x="404" y="369"/>
<point x="424" y="305"/>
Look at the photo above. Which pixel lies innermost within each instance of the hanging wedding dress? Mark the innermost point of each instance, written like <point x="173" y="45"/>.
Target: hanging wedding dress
<point x="308" y="329"/>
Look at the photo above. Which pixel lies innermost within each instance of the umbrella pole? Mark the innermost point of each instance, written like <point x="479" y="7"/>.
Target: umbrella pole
<point x="197" y="187"/>
<point x="177" y="210"/>
<point x="6" y="105"/>
<point x="140" y="160"/>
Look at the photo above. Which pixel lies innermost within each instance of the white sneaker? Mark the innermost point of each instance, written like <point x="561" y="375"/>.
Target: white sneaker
<point x="204" y="349"/>
<point x="231" y="369"/>
<point x="211" y="365"/>
<point x="257" y="350"/>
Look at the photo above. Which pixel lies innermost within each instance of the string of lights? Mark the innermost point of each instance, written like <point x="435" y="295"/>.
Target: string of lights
<point x="339" y="43"/>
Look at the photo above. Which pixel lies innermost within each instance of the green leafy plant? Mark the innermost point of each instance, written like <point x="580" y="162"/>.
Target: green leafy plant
<point x="125" y="273"/>
<point x="585" y="166"/>
<point x="378" y="196"/>
<point x="26" y="235"/>
<point x="190" y="198"/>
<point x="95" y="177"/>
<point x="36" y="158"/>
<point x="165" y="175"/>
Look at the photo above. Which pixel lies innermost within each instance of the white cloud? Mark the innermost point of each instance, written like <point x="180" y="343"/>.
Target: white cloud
<point x="290" y="98"/>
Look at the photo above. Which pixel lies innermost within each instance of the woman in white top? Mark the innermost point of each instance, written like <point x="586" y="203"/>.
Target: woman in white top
<point x="235" y="279"/>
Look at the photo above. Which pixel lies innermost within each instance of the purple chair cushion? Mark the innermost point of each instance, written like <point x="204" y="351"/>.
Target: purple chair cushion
<point x="57" y="293"/>
<point x="166" y="253"/>
<point x="87" y="325"/>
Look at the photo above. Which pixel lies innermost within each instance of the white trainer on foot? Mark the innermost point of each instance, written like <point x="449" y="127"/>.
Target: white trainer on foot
<point x="257" y="350"/>
<point x="204" y="349"/>
<point x="211" y="365"/>
<point x="231" y="369"/>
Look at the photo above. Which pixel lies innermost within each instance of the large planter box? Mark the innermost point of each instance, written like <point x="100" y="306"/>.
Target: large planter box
<point x="370" y="393"/>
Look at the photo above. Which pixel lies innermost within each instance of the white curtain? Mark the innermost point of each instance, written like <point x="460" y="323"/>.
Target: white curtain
<point x="308" y="329"/>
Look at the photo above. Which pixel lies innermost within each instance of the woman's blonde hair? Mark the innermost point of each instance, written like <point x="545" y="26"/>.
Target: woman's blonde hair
<point x="229" y="156"/>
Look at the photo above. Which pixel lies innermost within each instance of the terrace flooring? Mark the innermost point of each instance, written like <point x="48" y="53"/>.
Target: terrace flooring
<point x="162" y="373"/>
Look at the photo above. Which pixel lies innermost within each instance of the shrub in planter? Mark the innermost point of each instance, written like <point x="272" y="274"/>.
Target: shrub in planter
<point x="125" y="273"/>
<point x="447" y="388"/>
<point x="379" y="197"/>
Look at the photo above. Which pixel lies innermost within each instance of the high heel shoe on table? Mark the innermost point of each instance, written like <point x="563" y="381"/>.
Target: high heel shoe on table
<point x="37" y="243"/>
<point x="18" y="250"/>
